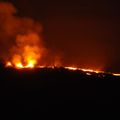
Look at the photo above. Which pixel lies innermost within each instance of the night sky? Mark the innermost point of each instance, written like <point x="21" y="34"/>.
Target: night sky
<point x="84" y="32"/>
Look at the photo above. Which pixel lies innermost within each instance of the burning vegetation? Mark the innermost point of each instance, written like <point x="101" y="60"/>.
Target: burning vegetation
<point x="28" y="51"/>
<point x="21" y="42"/>
<point x="21" y="39"/>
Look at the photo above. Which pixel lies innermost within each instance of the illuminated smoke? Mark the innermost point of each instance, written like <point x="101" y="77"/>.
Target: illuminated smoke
<point x="21" y="43"/>
<point x="20" y="38"/>
<point x="29" y="50"/>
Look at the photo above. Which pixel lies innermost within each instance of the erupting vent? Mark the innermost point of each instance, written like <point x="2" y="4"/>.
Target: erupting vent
<point x="22" y="43"/>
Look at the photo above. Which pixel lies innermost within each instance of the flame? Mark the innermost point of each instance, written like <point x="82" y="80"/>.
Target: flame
<point x="27" y="51"/>
<point x="31" y="64"/>
<point x="19" y="65"/>
<point x="8" y="64"/>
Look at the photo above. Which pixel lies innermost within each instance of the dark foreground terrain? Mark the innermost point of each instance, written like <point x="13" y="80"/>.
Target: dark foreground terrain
<point x="56" y="89"/>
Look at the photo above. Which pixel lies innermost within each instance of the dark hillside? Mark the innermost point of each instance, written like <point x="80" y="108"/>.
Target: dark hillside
<point x="46" y="89"/>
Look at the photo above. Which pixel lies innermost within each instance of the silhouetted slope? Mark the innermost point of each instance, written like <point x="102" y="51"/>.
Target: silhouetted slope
<point x="55" y="89"/>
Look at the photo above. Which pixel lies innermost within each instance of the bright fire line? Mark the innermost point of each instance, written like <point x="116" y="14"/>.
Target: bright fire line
<point x="32" y="65"/>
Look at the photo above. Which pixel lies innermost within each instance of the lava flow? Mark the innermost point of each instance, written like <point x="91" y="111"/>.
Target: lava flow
<point x="32" y="66"/>
<point x="21" y="37"/>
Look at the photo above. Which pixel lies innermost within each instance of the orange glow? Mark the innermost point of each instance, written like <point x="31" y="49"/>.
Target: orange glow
<point x="85" y="70"/>
<point x="28" y="61"/>
<point x="88" y="74"/>
<point x="71" y="68"/>
<point x="27" y="52"/>
<point x="90" y="70"/>
<point x="32" y="64"/>
<point x="19" y="65"/>
<point x="8" y="64"/>
<point x="116" y="74"/>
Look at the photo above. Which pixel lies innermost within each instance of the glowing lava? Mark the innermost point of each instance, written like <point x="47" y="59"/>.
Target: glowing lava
<point x="85" y="70"/>
<point x="72" y="68"/>
<point x="31" y="64"/>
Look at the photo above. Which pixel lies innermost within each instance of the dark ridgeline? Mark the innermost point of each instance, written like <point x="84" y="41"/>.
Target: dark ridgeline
<point x="47" y="89"/>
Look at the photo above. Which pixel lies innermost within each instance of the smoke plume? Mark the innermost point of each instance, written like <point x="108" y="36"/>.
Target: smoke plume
<point x="20" y="38"/>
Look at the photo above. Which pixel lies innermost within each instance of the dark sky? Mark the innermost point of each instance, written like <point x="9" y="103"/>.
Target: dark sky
<point x="84" y="32"/>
